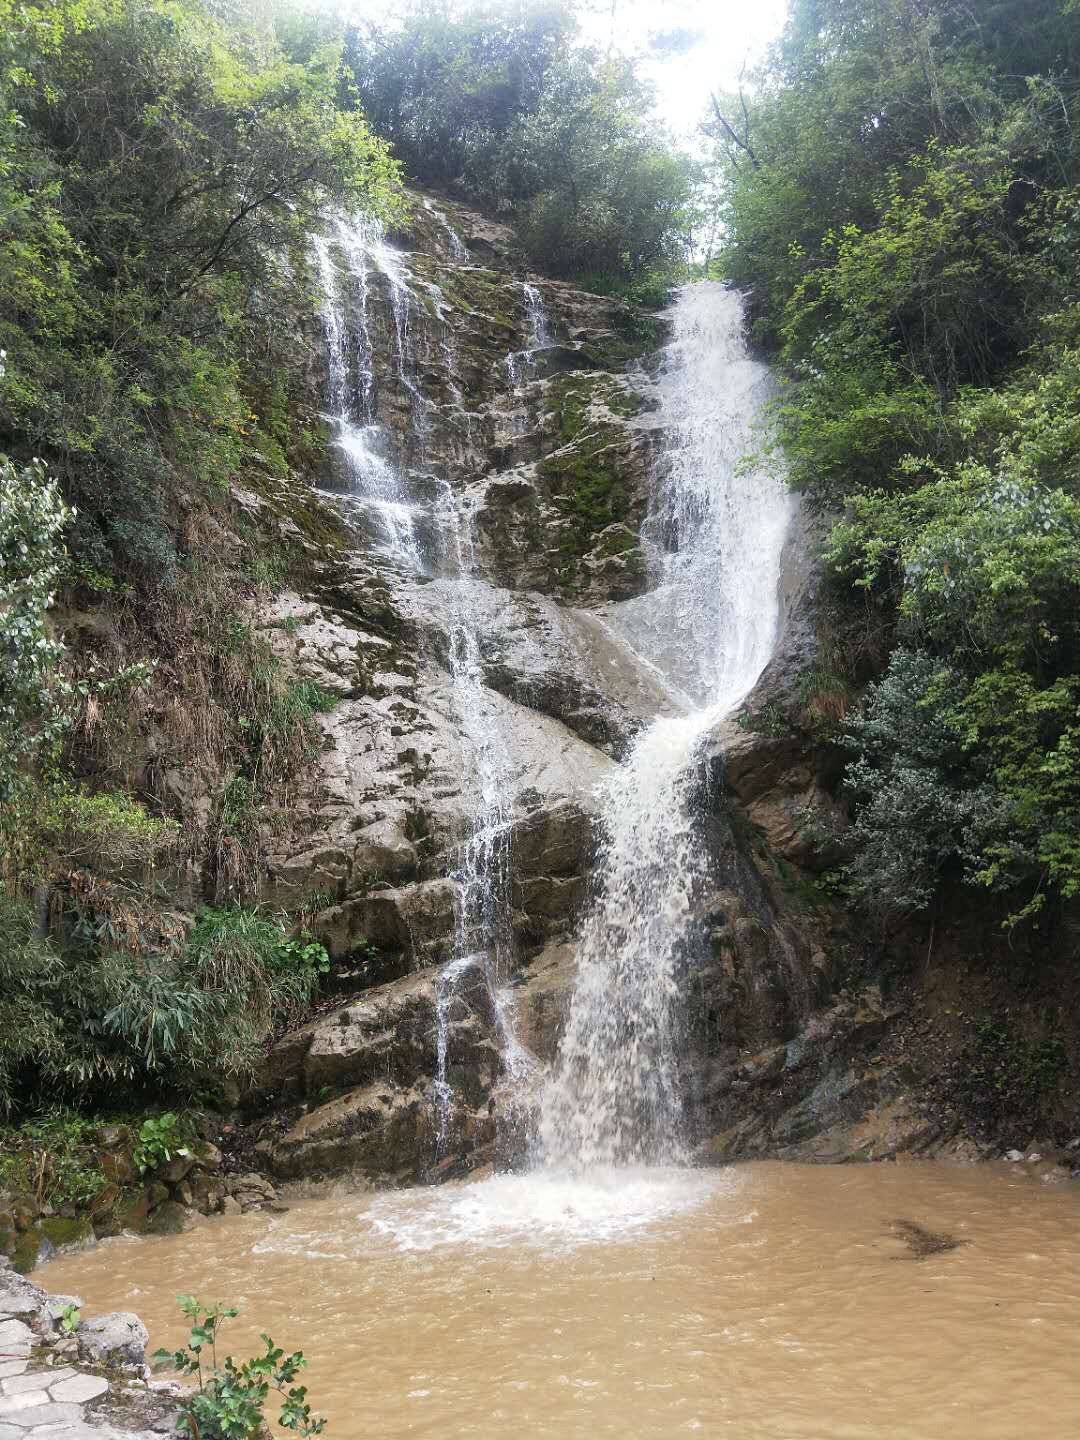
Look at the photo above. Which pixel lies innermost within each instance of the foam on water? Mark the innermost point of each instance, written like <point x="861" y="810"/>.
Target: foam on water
<point x="547" y="1210"/>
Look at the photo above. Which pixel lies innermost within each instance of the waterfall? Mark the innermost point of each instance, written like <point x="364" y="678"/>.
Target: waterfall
<point x="717" y="527"/>
<point x="459" y="251"/>
<point x="539" y="335"/>
<point x="358" y="250"/>
<point x="376" y="485"/>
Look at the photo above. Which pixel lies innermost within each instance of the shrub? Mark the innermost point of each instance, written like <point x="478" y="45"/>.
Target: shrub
<point x="246" y="958"/>
<point x="80" y="1014"/>
<point x="160" y="1137"/>
<point x="230" y="1400"/>
<point x="54" y="1156"/>
<point x="921" y="802"/>
<point x="33" y="517"/>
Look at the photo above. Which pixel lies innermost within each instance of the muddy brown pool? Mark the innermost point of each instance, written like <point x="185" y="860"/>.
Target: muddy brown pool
<point x="765" y="1300"/>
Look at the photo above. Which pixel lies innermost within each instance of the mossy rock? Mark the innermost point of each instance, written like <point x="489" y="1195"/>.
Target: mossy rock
<point x="42" y="1240"/>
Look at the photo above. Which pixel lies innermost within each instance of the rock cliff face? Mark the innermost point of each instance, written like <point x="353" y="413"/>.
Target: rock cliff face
<point x="493" y="438"/>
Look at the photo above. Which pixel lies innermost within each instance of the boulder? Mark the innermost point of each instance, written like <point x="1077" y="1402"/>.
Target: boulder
<point x="116" y="1339"/>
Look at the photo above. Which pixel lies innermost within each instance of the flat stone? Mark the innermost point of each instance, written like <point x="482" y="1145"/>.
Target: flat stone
<point x="80" y="1388"/>
<point x="52" y="1412"/>
<point x="12" y="1367"/>
<point x="13" y="1333"/>
<point x="23" y="1400"/>
<point x="9" y="1432"/>
<point x="38" y="1380"/>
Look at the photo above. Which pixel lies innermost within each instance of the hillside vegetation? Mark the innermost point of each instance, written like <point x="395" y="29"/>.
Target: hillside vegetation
<point x="901" y="202"/>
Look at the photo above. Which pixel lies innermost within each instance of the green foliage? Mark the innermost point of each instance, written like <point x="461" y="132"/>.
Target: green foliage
<point x="106" y="1009"/>
<point x="70" y="1318"/>
<point x="902" y="198"/>
<point x="33" y="517"/>
<point x="52" y="1156"/>
<point x="160" y="1137"/>
<point x="246" y="954"/>
<point x="230" y="1401"/>
<point x="505" y="109"/>
<point x="156" y="166"/>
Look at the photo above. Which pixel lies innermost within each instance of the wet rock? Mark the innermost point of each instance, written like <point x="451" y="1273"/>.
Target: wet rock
<point x="375" y="1130"/>
<point x="173" y="1218"/>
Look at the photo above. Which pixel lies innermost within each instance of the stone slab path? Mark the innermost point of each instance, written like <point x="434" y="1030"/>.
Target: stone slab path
<point x="67" y="1386"/>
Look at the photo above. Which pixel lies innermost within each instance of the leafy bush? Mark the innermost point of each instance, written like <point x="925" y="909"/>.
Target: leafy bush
<point x="33" y="517"/>
<point x="901" y="197"/>
<point x="921" y="803"/>
<point x="242" y="953"/>
<point x="54" y="1156"/>
<point x="160" y="1137"/>
<point x="230" y="1401"/>
<point x="84" y="1015"/>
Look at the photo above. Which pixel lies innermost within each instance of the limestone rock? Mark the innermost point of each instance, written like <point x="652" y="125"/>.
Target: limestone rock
<point x="116" y="1339"/>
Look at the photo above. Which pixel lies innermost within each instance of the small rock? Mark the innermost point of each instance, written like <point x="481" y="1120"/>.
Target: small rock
<point x="119" y="1166"/>
<point x="1034" y="1158"/>
<point x="230" y="1206"/>
<point x="172" y="1218"/>
<point x="39" y="1380"/>
<point x="52" y="1412"/>
<point x="209" y="1156"/>
<point x="1013" y="1155"/>
<point x="22" y="1400"/>
<point x="252" y="1181"/>
<point x="15" y="1339"/>
<point x="177" y="1168"/>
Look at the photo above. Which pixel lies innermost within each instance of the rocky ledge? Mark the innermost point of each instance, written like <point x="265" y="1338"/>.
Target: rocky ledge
<point x="71" y="1379"/>
<point x="192" y="1185"/>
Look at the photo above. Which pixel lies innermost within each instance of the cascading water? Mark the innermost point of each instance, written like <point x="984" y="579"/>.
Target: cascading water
<point x="482" y="929"/>
<point x="719" y="525"/>
<point x="375" y="481"/>
<point x="459" y="251"/>
<point x="539" y="335"/>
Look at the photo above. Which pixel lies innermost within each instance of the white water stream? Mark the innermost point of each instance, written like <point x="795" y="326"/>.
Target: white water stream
<point x="719" y="525"/>
<point x="359" y="251"/>
<point x="376" y="483"/>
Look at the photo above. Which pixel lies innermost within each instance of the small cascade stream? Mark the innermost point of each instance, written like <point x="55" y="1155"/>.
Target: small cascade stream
<point x="376" y="484"/>
<point x="482" y="932"/>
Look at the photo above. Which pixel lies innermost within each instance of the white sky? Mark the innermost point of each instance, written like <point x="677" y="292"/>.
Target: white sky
<point x="729" y="34"/>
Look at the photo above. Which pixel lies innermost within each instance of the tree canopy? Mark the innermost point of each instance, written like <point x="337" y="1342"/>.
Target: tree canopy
<point x="505" y="108"/>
